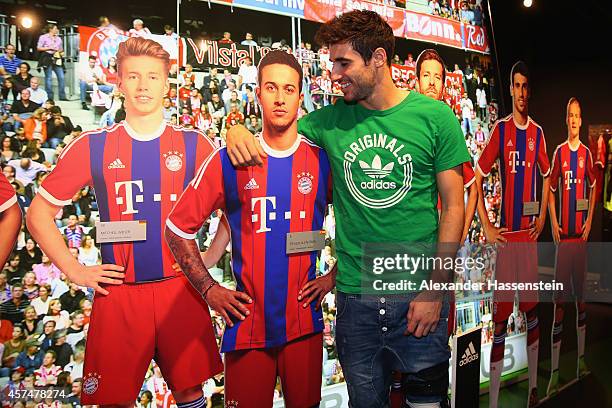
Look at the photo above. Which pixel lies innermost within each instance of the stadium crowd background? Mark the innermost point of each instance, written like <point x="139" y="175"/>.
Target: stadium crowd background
<point x="43" y="316"/>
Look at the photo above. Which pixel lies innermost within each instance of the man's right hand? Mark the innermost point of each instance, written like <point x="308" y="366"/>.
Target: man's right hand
<point x="242" y="147"/>
<point x="494" y="235"/>
<point x="228" y="302"/>
<point x="93" y="276"/>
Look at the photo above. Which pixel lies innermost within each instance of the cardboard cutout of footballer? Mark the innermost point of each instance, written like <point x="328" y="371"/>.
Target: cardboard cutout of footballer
<point x="519" y="144"/>
<point x="574" y="177"/>
<point x="271" y="330"/>
<point x="139" y="168"/>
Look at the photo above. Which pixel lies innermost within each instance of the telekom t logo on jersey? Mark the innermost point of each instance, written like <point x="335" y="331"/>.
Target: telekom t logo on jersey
<point x="514" y="160"/>
<point x="567" y="176"/>
<point x="267" y="212"/>
<point x="127" y="192"/>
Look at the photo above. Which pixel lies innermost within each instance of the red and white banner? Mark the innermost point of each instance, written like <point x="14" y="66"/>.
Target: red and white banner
<point x="439" y="30"/>
<point x="324" y="10"/>
<point x="405" y="23"/>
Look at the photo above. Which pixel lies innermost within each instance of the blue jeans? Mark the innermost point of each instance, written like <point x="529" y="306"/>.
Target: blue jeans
<point x="89" y="87"/>
<point x="59" y="72"/>
<point x="371" y="343"/>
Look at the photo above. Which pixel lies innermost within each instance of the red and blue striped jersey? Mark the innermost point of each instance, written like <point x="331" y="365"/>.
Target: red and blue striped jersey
<point x="7" y="194"/>
<point x="575" y="169"/>
<point x="519" y="150"/>
<point x="289" y="193"/>
<point x="135" y="177"/>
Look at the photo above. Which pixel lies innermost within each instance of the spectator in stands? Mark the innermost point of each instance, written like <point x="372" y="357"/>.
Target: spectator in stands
<point x="74" y="399"/>
<point x="248" y="40"/>
<point x="478" y="16"/>
<point x="203" y="120"/>
<point x="184" y="93"/>
<point x="41" y="303"/>
<point x="12" y="348"/>
<point x="48" y="371"/>
<point x="9" y="63"/>
<point x="47" y="336"/>
<point x="5" y="288"/>
<point x="75" y="368"/>
<point x="253" y="124"/>
<point x="247" y="75"/>
<point x="58" y="127"/>
<point x="111" y="71"/>
<point x="145" y="400"/>
<point x="30" y="288"/>
<point x="30" y="255"/>
<point x="71" y="299"/>
<point x="23" y="108"/>
<point x="37" y="94"/>
<point x="35" y="127"/>
<point x="45" y="271"/>
<point x="186" y="119"/>
<point x="235" y="117"/>
<point x="481" y="103"/>
<point x="168" y="109"/>
<point x="216" y="107"/>
<point x="77" y="318"/>
<point x="13" y="309"/>
<point x="15" y="269"/>
<point x="231" y="96"/>
<point x="195" y="101"/>
<point x="396" y="60"/>
<point x="466" y="113"/>
<point x="33" y="188"/>
<point x="89" y="254"/>
<point x="74" y="232"/>
<point x="169" y="32"/>
<point x="139" y="29"/>
<point x="227" y="38"/>
<point x="75" y="134"/>
<point x="8" y="153"/>
<point x="30" y="358"/>
<point x="188" y="74"/>
<point x="56" y="314"/>
<point x="21" y="80"/>
<point x="91" y="77"/>
<point x="8" y="95"/>
<point x="251" y="107"/>
<point x="33" y="150"/>
<point x="227" y="79"/>
<point x="63" y="350"/>
<point x="26" y="169"/>
<point x="210" y="85"/>
<point x="51" y="49"/>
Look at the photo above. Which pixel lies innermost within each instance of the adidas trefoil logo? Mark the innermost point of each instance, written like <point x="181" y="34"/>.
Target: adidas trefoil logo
<point x="469" y="355"/>
<point x="251" y="185"/>
<point x="376" y="170"/>
<point x="116" y="164"/>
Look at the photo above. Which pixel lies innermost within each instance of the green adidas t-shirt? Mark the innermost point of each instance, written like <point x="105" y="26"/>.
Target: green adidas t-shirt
<point x="384" y="166"/>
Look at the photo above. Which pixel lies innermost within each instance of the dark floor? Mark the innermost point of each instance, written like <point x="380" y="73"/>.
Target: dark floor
<point x="594" y="391"/>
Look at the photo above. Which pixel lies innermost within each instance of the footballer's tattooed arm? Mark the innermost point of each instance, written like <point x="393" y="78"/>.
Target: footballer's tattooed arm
<point x="224" y="301"/>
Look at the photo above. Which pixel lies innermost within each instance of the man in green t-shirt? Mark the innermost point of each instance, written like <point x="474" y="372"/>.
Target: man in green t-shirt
<point x="391" y="153"/>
